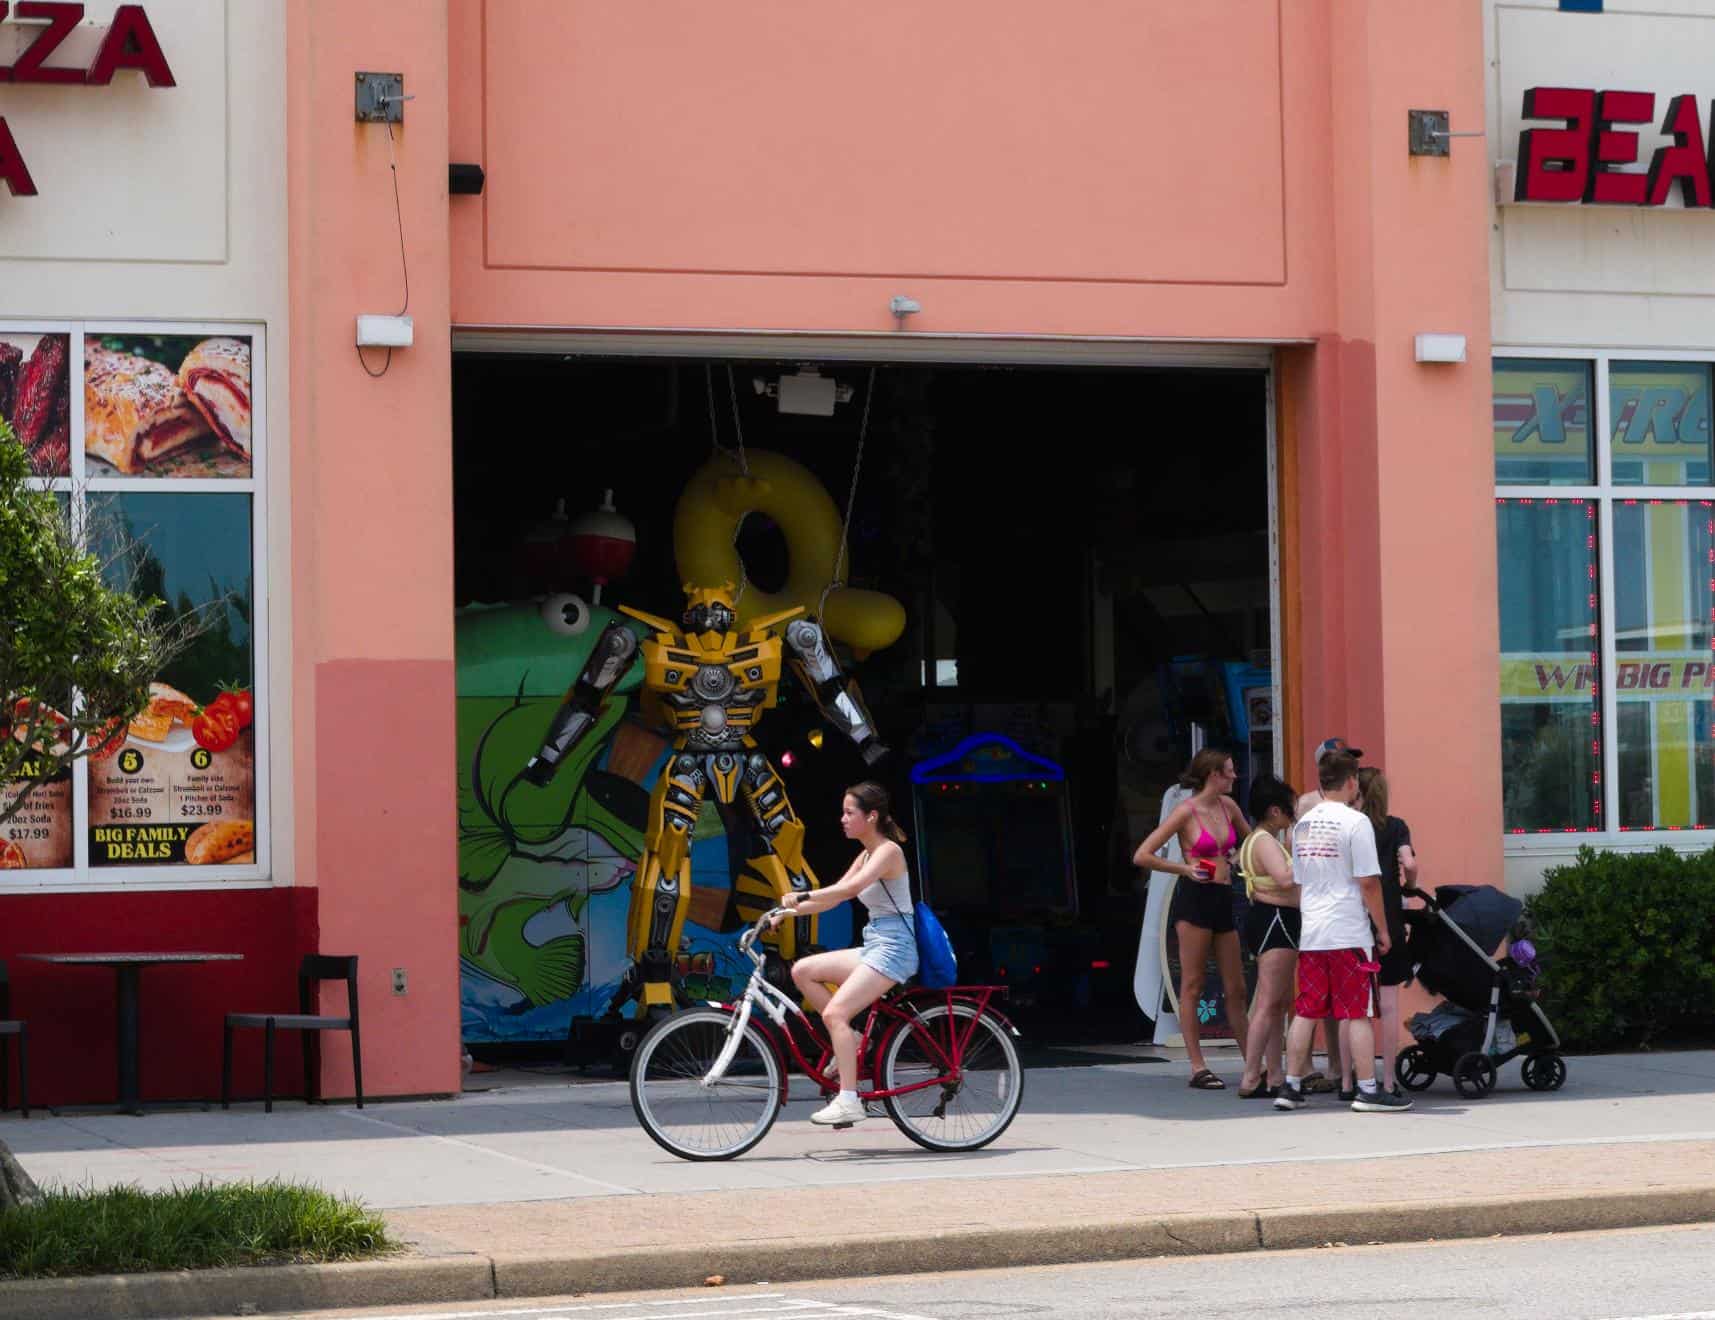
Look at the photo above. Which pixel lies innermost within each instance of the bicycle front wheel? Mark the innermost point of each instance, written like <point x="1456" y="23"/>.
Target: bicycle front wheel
<point x="696" y="1121"/>
<point x="954" y="1115"/>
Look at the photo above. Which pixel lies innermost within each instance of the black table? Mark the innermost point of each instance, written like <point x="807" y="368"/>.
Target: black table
<point x="129" y="968"/>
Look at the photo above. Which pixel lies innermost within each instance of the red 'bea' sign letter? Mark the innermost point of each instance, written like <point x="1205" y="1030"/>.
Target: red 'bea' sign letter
<point x="130" y="44"/>
<point x="1554" y="163"/>
<point x="1684" y="161"/>
<point x="13" y="172"/>
<point x="1607" y="184"/>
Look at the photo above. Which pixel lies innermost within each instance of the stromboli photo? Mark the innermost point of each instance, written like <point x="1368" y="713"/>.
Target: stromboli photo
<point x="168" y="405"/>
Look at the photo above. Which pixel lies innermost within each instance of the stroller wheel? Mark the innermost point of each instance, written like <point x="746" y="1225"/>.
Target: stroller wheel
<point x="1413" y="1069"/>
<point x="1544" y="1072"/>
<point x="1474" y="1075"/>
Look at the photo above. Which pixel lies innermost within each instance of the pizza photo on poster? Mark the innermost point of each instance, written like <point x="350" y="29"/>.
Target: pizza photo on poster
<point x="35" y="397"/>
<point x="166" y="405"/>
<point x="176" y="785"/>
<point x="36" y="835"/>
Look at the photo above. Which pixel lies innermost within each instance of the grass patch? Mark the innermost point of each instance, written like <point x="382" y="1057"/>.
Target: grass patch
<point x="122" y="1230"/>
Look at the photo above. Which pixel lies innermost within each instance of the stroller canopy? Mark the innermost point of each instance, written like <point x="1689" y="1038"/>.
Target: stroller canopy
<point x="1481" y="911"/>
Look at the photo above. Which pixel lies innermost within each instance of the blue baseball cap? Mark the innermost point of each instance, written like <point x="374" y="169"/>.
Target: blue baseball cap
<point x="1329" y="746"/>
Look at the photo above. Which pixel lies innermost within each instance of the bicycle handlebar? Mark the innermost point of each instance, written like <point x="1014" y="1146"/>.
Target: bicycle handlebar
<point x="746" y="940"/>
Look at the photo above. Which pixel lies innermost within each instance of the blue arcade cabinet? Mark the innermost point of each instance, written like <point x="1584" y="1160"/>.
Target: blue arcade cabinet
<point x="993" y="844"/>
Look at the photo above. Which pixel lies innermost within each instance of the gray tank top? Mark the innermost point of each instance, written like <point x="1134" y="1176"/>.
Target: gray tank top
<point x="889" y="898"/>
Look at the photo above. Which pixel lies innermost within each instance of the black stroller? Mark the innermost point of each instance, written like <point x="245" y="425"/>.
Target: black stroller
<point x="1491" y="1014"/>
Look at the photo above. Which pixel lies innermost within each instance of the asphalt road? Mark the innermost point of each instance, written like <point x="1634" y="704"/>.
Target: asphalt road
<point x="1641" y="1274"/>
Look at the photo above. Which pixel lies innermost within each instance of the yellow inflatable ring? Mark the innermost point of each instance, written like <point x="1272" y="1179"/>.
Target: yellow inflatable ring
<point x="720" y="496"/>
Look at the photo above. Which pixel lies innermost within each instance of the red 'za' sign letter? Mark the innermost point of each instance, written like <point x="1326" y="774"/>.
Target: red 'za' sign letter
<point x="130" y="44"/>
<point x="1554" y="163"/>
<point x="13" y="172"/>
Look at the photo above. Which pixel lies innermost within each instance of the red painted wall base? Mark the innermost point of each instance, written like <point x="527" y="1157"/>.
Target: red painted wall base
<point x="72" y="1011"/>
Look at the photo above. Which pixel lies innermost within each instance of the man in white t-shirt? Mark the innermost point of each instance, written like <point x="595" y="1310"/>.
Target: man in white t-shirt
<point x="1335" y="1036"/>
<point x="1339" y="880"/>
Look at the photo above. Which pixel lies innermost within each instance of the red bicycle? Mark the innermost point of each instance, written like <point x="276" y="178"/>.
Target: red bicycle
<point x="708" y="1083"/>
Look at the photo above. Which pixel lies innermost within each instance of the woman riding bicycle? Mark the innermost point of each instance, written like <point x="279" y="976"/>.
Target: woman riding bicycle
<point x="879" y="879"/>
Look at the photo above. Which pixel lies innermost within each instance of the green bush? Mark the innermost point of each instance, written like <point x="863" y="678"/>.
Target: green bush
<point x="1627" y="942"/>
<point x="124" y="1229"/>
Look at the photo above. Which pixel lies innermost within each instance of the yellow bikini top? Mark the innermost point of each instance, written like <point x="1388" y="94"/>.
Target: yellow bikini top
<point x="1255" y="877"/>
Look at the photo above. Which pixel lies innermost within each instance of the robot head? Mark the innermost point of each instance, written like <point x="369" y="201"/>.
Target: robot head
<point x="709" y="609"/>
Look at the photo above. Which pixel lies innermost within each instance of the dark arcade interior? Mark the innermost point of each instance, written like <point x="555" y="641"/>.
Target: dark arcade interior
<point x="1059" y="538"/>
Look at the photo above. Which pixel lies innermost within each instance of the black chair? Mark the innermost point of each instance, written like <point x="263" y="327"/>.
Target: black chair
<point x="315" y="967"/>
<point x="9" y="1028"/>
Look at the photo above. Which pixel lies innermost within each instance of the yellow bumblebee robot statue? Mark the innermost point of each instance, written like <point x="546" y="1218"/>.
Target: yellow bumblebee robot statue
<point x="709" y="684"/>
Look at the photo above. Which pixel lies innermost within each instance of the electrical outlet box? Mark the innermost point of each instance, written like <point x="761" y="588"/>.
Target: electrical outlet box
<point x="399" y="982"/>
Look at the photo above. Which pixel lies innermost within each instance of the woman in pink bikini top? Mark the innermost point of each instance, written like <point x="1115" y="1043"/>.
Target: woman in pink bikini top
<point x="1202" y="909"/>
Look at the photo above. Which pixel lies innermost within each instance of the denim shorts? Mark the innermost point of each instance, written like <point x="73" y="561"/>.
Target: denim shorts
<point x="890" y="947"/>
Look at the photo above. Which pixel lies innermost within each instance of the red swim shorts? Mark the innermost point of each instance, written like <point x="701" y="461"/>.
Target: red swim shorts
<point x="1335" y="983"/>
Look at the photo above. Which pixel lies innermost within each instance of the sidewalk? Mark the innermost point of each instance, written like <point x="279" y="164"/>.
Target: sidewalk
<point x="539" y="1185"/>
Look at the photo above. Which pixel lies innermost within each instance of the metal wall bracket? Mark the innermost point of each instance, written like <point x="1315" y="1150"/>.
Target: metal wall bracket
<point x="381" y="98"/>
<point x="1428" y="133"/>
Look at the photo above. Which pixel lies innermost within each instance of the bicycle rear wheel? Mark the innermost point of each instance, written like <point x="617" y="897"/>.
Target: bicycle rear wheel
<point x="962" y="1115"/>
<point x="680" y="1113"/>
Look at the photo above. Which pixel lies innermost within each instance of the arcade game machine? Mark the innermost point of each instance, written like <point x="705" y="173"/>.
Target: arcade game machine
<point x="994" y="855"/>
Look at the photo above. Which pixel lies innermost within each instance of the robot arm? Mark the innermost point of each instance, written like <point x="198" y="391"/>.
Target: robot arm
<point x="836" y="693"/>
<point x="581" y="708"/>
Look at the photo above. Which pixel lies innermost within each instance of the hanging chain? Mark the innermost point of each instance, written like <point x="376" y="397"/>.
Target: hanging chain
<point x="737" y="428"/>
<point x="715" y="444"/>
<point x="836" y="581"/>
<point x="743" y="460"/>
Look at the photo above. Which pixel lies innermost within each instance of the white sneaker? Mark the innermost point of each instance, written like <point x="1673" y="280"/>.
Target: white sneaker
<point x="838" y="1111"/>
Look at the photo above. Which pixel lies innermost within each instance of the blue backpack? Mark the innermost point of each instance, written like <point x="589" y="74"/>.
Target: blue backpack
<point x="937" y="965"/>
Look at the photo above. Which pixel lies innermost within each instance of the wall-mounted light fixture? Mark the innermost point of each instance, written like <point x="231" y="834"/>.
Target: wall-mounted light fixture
<point x="902" y="307"/>
<point x="807" y="391"/>
<point x="384" y="331"/>
<point x="1440" y="348"/>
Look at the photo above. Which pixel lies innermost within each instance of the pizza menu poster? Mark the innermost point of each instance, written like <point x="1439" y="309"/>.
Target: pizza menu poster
<point x="171" y="796"/>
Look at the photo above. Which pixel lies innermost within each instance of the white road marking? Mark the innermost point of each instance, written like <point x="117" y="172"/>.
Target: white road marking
<point x="1677" y="1315"/>
<point x="605" y="1309"/>
<point x="741" y="1306"/>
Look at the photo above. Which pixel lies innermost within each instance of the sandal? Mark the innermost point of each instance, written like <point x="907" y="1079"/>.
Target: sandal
<point x="1316" y="1084"/>
<point x="1262" y="1091"/>
<point x="1204" y="1080"/>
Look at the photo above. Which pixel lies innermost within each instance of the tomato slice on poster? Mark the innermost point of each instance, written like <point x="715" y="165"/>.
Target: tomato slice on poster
<point x="215" y="728"/>
<point x="240" y="702"/>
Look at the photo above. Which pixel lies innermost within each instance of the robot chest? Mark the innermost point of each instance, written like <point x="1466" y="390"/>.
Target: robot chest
<point x="714" y="695"/>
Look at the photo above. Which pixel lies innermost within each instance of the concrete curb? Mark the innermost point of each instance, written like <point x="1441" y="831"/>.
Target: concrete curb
<point x="893" y="1253"/>
<point x="464" y="1278"/>
<point x="258" y="1290"/>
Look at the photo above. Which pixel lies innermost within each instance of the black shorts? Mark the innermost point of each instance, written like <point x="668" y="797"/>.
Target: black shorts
<point x="1396" y="962"/>
<point x="1203" y="904"/>
<point x="1268" y="927"/>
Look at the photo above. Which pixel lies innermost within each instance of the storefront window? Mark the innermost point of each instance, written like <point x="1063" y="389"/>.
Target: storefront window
<point x="1631" y="550"/>
<point x="146" y="433"/>
<point x="1551" y="729"/>
<point x="1542" y="423"/>
<point x="1659" y="423"/>
<point x="177" y="772"/>
<point x="1664" y="672"/>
